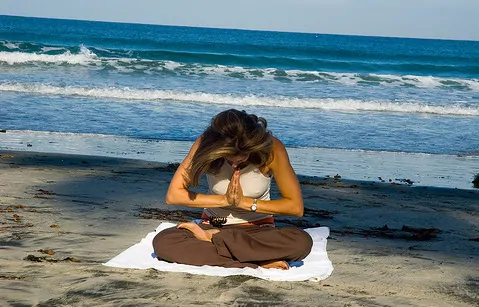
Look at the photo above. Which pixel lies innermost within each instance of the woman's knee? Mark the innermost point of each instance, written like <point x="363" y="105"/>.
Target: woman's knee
<point x="303" y="242"/>
<point x="162" y="242"/>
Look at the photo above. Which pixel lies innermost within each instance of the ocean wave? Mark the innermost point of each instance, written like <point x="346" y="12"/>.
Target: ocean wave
<point x="346" y="105"/>
<point x="83" y="57"/>
<point x="317" y="57"/>
<point x="87" y="57"/>
<point x="10" y="45"/>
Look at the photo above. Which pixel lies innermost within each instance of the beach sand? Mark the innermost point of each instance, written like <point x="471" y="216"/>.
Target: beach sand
<point x="390" y="244"/>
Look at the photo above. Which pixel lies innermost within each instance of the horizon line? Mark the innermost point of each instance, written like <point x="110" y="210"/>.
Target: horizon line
<point x="240" y="29"/>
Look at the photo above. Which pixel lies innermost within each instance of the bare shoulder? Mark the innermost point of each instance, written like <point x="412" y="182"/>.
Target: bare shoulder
<point x="283" y="172"/>
<point x="193" y="149"/>
<point x="280" y="156"/>
<point x="278" y="149"/>
<point x="181" y="175"/>
<point x="196" y="143"/>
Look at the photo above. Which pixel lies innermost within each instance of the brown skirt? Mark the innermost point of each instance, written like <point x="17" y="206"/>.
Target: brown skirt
<point x="234" y="246"/>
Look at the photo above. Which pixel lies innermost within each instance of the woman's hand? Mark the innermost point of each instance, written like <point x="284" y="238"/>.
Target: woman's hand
<point x="234" y="193"/>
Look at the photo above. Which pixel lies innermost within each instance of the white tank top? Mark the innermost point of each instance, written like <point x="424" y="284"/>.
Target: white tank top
<point x="254" y="185"/>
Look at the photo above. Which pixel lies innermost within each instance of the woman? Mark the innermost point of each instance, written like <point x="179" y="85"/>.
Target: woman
<point x="239" y="157"/>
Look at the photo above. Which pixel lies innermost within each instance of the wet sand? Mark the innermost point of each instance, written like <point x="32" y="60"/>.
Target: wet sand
<point x="62" y="216"/>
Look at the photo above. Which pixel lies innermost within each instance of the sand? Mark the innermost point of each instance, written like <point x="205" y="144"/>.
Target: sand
<point x="390" y="244"/>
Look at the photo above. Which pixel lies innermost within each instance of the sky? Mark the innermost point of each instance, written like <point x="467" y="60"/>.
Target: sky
<point x="446" y="19"/>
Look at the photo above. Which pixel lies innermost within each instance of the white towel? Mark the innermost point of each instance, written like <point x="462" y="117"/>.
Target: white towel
<point x="315" y="267"/>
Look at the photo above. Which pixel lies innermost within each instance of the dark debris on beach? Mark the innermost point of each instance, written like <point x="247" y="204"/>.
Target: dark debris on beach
<point x="169" y="215"/>
<point x="405" y="232"/>
<point x="475" y="182"/>
<point x="308" y="220"/>
<point x="169" y="168"/>
<point x="11" y="277"/>
<point x="34" y="258"/>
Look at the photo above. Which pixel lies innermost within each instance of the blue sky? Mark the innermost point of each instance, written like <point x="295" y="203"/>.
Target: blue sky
<point x="455" y="19"/>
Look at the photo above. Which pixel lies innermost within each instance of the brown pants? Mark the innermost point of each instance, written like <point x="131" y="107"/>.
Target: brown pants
<point x="234" y="246"/>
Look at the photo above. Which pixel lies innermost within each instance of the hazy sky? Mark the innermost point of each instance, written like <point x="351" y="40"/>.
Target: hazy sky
<point x="456" y="19"/>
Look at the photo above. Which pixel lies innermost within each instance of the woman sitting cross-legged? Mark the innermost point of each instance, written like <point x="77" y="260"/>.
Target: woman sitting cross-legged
<point x="239" y="156"/>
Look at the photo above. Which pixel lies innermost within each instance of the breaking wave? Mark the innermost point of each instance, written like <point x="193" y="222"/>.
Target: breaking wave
<point x="87" y="57"/>
<point x="346" y="105"/>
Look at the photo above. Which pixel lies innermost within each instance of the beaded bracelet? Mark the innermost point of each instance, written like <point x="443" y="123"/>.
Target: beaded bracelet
<point x="217" y="221"/>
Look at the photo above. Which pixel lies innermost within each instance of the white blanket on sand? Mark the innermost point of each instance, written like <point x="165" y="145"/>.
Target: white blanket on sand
<point x="315" y="267"/>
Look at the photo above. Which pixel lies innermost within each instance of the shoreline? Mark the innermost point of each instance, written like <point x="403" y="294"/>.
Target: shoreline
<point x="432" y="170"/>
<point x="88" y="209"/>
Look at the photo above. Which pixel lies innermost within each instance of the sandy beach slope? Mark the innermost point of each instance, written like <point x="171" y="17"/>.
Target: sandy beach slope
<point x="62" y="216"/>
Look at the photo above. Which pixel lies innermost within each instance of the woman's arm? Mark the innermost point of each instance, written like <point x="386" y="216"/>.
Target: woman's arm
<point x="291" y="202"/>
<point x="179" y="194"/>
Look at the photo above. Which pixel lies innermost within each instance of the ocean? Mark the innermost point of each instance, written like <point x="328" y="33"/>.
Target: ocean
<point x="367" y="108"/>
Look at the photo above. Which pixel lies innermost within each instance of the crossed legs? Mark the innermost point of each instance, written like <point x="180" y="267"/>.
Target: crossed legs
<point x="232" y="246"/>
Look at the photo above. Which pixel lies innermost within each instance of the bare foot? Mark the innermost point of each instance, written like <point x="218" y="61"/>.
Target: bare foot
<point x="275" y="264"/>
<point x="200" y="234"/>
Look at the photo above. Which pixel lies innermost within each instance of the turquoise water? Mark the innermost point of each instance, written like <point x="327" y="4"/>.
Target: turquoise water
<point x="152" y="82"/>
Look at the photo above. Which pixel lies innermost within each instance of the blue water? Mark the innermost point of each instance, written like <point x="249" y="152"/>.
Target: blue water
<point x="316" y="90"/>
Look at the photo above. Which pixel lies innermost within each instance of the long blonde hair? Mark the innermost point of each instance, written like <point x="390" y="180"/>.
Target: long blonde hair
<point x="231" y="133"/>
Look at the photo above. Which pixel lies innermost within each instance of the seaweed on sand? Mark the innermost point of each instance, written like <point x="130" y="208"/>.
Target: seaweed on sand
<point x="405" y="232"/>
<point x="310" y="218"/>
<point x="475" y="182"/>
<point x="169" y="215"/>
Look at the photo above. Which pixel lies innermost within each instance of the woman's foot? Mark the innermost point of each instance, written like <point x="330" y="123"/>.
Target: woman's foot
<point x="200" y="234"/>
<point x="274" y="264"/>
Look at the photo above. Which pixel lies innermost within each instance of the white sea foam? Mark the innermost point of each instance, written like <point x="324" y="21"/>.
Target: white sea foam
<point x="104" y="50"/>
<point x="47" y="49"/>
<point x="88" y="58"/>
<point x="350" y="79"/>
<point x="11" y="45"/>
<point x="474" y="85"/>
<point x="346" y="105"/>
<point x="171" y="65"/>
<point x="83" y="57"/>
